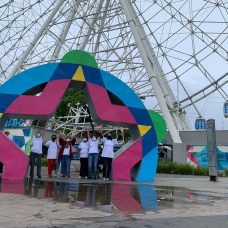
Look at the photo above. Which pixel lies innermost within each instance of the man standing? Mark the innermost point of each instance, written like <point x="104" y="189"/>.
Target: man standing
<point x="36" y="153"/>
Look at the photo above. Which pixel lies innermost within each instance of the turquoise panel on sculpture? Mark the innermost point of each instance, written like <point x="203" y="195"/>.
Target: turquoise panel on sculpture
<point x="120" y="89"/>
<point x="148" y="161"/>
<point x="28" y="79"/>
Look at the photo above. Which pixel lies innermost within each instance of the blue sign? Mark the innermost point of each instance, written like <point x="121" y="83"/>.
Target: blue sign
<point x="14" y="123"/>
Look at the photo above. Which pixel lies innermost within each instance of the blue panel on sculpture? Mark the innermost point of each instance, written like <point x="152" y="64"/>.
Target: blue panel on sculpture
<point x="26" y="132"/>
<point x="30" y="78"/>
<point x="149" y="137"/>
<point x="142" y="116"/>
<point x="93" y="75"/>
<point x="64" y="71"/>
<point x="19" y="140"/>
<point x="148" y="197"/>
<point x="5" y="101"/>
<point x="150" y="160"/>
<point x="121" y="90"/>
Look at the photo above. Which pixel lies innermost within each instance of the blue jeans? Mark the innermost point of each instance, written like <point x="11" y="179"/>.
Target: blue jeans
<point x="57" y="165"/>
<point x="65" y="165"/>
<point x="92" y="163"/>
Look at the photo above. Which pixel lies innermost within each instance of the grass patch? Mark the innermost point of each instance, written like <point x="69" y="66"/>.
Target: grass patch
<point x="184" y="169"/>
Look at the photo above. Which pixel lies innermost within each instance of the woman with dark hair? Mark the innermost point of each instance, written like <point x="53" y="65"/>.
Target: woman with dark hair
<point x="52" y="154"/>
<point x="66" y="154"/>
<point x="107" y="154"/>
<point x="84" y="154"/>
<point x="93" y="155"/>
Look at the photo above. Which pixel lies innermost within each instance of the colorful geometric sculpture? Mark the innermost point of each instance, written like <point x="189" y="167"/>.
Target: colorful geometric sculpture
<point x="136" y="160"/>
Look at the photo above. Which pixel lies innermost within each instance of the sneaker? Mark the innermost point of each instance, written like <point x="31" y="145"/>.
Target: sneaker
<point x="104" y="178"/>
<point x="79" y="177"/>
<point x="39" y="177"/>
<point x="107" y="179"/>
<point x="86" y="177"/>
<point x="63" y="175"/>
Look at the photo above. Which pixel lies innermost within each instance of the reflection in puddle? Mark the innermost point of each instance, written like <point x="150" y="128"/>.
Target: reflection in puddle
<point x="126" y="198"/>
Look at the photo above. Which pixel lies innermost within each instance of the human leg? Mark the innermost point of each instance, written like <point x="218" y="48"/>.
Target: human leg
<point x="86" y="167"/>
<point x="63" y="165"/>
<point x="90" y="165"/>
<point x="68" y="163"/>
<point x="49" y="167"/>
<point x="32" y="162"/>
<point x="95" y="164"/>
<point x="39" y="165"/>
<point x="109" y="167"/>
<point x="81" y="167"/>
<point x="104" y="167"/>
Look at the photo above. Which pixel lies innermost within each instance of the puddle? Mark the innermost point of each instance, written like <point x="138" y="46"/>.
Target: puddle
<point x="110" y="197"/>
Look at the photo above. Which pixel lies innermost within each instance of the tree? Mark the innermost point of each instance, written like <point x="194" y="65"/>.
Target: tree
<point x="71" y="98"/>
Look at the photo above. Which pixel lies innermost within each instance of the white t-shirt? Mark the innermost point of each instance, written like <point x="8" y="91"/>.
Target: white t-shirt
<point x="36" y="144"/>
<point x="52" y="149"/>
<point x="66" y="151"/>
<point x="108" y="148"/>
<point x="93" y="146"/>
<point x="84" y="149"/>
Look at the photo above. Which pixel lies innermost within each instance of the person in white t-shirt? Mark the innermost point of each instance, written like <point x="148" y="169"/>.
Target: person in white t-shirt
<point x="84" y="154"/>
<point x="93" y="155"/>
<point x="52" y="154"/>
<point x="107" y="155"/>
<point x="36" y="153"/>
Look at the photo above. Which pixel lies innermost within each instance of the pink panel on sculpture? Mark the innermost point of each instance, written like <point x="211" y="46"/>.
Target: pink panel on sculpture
<point x="45" y="104"/>
<point x="122" y="198"/>
<point x="12" y="186"/>
<point x="105" y="109"/>
<point x="14" y="160"/>
<point x="123" y="164"/>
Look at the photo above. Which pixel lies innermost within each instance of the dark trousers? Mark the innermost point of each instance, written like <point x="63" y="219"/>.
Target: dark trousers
<point x="1" y="167"/>
<point x="84" y="167"/>
<point x="107" y="167"/>
<point x="34" y="156"/>
<point x="65" y="165"/>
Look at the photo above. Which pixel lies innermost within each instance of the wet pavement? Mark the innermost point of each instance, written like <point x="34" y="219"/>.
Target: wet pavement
<point x="78" y="203"/>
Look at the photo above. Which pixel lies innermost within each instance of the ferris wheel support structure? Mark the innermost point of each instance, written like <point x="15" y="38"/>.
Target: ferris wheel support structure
<point x="35" y="39"/>
<point x="161" y="92"/>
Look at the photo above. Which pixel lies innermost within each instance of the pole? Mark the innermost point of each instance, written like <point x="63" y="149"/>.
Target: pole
<point x="151" y="72"/>
<point x="35" y="39"/>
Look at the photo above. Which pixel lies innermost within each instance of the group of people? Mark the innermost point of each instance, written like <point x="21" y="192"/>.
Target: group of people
<point x="89" y="155"/>
<point x="60" y="153"/>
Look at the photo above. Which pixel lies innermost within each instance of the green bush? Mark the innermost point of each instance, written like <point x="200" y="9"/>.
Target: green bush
<point x="44" y="162"/>
<point x="185" y="169"/>
<point x="226" y="172"/>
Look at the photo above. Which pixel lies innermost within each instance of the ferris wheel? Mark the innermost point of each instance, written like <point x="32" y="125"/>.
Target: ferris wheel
<point x="173" y="53"/>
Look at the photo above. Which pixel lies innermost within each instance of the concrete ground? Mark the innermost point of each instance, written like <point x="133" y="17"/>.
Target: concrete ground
<point x="171" y="201"/>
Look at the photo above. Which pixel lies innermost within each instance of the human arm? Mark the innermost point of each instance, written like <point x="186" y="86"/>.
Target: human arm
<point x="73" y="140"/>
<point x="47" y="144"/>
<point x="61" y="140"/>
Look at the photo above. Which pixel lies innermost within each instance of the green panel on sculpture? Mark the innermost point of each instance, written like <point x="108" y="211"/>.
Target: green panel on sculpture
<point x="79" y="57"/>
<point x="159" y="124"/>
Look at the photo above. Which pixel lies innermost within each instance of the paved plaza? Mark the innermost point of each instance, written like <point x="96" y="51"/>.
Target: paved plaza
<point x="171" y="201"/>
